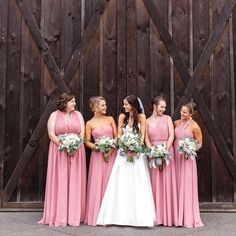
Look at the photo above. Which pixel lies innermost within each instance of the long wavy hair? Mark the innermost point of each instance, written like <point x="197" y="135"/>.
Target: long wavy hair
<point x="133" y="101"/>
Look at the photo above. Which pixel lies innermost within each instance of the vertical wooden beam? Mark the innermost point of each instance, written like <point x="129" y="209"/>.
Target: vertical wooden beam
<point x="232" y="78"/>
<point x="131" y="47"/>
<point x="101" y="52"/>
<point x="172" y="84"/>
<point x="110" y="56"/>
<point x="143" y="53"/>
<point x="3" y="59"/>
<point x="121" y="53"/>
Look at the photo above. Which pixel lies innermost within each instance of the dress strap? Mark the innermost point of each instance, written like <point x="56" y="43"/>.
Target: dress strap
<point x="187" y="124"/>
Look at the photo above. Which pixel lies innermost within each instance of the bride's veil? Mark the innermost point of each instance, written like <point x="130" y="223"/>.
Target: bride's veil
<point x="141" y="105"/>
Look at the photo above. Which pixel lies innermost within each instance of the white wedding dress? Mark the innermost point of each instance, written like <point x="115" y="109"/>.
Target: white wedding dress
<point x="128" y="199"/>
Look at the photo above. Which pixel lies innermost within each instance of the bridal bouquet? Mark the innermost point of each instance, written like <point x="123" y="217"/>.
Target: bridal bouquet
<point x="188" y="146"/>
<point x="130" y="144"/>
<point x="69" y="143"/>
<point x="158" y="154"/>
<point x="105" y="144"/>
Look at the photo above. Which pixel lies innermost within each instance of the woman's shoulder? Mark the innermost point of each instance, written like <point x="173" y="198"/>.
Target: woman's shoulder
<point x="122" y="116"/>
<point x="176" y="122"/>
<point x="194" y="124"/>
<point x="54" y="114"/>
<point x="141" y="116"/>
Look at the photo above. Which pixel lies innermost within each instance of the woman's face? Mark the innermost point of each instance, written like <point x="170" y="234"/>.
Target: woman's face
<point x="160" y="108"/>
<point x="70" y="106"/>
<point x="102" y="107"/>
<point x="127" y="106"/>
<point x="184" y="113"/>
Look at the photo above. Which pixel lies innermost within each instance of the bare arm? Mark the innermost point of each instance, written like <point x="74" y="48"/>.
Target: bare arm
<point x="147" y="140"/>
<point x="114" y="127"/>
<point x="51" y="128"/>
<point x="142" y="120"/>
<point x="81" y="119"/>
<point x="120" y="125"/>
<point x="197" y="135"/>
<point x="88" y="136"/>
<point x="171" y="133"/>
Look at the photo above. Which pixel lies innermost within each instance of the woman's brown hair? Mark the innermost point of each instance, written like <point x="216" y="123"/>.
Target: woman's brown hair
<point x="64" y="98"/>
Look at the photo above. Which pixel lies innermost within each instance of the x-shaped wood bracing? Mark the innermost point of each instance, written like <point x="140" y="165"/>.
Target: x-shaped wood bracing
<point x="61" y="80"/>
<point x="190" y="81"/>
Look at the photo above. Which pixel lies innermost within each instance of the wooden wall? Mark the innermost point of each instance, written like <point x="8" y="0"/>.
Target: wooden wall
<point x="184" y="49"/>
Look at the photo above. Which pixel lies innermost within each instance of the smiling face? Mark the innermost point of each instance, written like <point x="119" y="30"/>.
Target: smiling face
<point x="160" y="108"/>
<point x="101" y="107"/>
<point x="70" y="106"/>
<point x="185" y="113"/>
<point x="127" y="106"/>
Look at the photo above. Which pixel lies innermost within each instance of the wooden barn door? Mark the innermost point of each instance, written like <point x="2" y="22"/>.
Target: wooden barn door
<point x="184" y="49"/>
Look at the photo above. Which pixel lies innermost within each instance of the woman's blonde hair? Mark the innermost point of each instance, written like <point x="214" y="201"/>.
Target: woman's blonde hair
<point x="192" y="107"/>
<point x="94" y="102"/>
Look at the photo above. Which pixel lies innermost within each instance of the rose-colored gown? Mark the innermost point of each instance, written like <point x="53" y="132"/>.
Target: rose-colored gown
<point x="99" y="173"/>
<point x="163" y="182"/>
<point x="187" y="185"/>
<point x="66" y="180"/>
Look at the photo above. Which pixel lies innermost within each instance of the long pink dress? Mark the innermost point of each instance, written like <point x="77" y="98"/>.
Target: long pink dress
<point x="164" y="182"/>
<point x="99" y="173"/>
<point x="66" y="180"/>
<point x="187" y="185"/>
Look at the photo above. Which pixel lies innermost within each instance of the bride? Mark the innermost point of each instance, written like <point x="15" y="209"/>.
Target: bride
<point x="128" y="199"/>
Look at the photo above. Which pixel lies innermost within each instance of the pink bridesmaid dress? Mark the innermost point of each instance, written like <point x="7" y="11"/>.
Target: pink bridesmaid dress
<point x="187" y="184"/>
<point x="99" y="173"/>
<point x="164" y="182"/>
<point x="66" y="180"/>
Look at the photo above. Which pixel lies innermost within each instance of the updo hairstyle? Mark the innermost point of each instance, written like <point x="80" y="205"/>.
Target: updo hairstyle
<point x="94" y="102"/>
<point x="192" y="107"/>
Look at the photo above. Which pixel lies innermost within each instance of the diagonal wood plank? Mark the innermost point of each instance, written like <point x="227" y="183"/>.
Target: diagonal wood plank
<point x="207" y="52"/>
<point x="42" y="45"/>
<point x="41" y="126"/>
<point x="186" y="77"/>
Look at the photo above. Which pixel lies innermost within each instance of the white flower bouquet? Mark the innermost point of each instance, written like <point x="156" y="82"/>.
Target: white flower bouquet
<point x="105" y="144"/>
<point x="158" y="153"/>
<point x="130" y="144"/>
<point x="69" y="143"/>
<point x="188" y="145"/>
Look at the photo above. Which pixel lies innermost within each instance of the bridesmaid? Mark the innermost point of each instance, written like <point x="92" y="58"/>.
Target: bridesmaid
<point x="66" y="175"/>
<point x="99" y="170"/>
<point x="160" y="129"/>
<point x="186" y="170"/>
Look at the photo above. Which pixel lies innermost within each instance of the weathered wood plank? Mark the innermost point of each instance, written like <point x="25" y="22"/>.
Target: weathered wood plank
<point x="181" y="35"/>
<point x="12" y="92"/>
<point x="29" y="149"/>
<point x="3" y="73"/>
<point x="159" y="58"/>
<point x="42" y="45"/>
<point x="121" y="54"/>
<point x="71" y="28"/>
<point x="32" y="144"/>
<point x="200" y="36"/>
<point x="30" y="112"/>
<point x="207" y="52"/>
<point x="81" y="47"/>
<point x="131" y="48"/>
<point x="51" y="28"/>
<point x="91" y="73"/>
<point x="109" y="57"/>
<point x="143" y="53"/>
<point x="221" y="101"/>
<point x="182" y="69"/>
